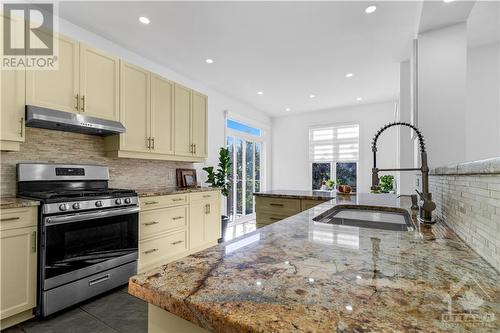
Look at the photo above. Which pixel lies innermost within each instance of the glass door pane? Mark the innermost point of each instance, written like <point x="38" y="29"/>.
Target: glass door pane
<point x="230" y="197"/>
<point x="258" y="151"/>
<point x="239" y="177"/>
<point x="249" y="177"/>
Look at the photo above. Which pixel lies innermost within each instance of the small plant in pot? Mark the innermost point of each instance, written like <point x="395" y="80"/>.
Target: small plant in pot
<point x="386" y="183"/>
<point x="218" y="178"/>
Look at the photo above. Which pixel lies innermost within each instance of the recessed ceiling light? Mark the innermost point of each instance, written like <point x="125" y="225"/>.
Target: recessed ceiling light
<point x="370" y="9"/>
<point x="348" y="307"/>
<point x="144" y="20"/>
<point x="349" y="75"/>
<point x="312" y="96"/>
<point x="359" y="99"/>
<point x="288" y="109"/>
<point x="209" y="61"/>
<point x="447" y="1"/>
<point x="259" y="93"/>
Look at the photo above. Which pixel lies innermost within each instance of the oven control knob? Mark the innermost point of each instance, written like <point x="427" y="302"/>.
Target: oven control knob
<point x="127" y="200"/>
<point x="63" y="207"/>
<point x="98" y="203"/>
<point x="76" y="205"/>
<point x="118" y="201"/>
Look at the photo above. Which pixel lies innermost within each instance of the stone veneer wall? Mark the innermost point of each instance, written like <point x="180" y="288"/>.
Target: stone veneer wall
<point x="468" y="200"/>
<point x="47" y="146"/>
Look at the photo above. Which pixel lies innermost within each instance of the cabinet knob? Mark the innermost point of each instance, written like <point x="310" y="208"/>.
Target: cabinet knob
<point x="77" y="106"/>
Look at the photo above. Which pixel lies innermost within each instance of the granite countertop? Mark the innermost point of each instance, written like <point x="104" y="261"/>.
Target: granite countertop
<point x="311" y="195"/>
<point x="298" y="275"/>
<point x="14" y="202"/>
<point x="151" y="192"/>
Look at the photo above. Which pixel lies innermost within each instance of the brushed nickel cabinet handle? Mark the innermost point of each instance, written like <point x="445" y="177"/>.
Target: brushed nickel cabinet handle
<point x="33" y="241"/>
<point x="10" y="219"/>
<point x="83" y="103"/>
<point x="153" y="143"/>
<point x="276" y="205"/>
<point x="150" y="251"/>
<point x="77" y="106"/>
<point x="151" y="202"/>
<point x="206" y="196"/>
<point x="195" y="148"/>
<point x="177" y="218"/>
<point x="177" y="242"/>
<point x="177" y="199"/>
<point x="22" y="127"/>
<point x="151" y="223"/>
<point x="274" y="218"/>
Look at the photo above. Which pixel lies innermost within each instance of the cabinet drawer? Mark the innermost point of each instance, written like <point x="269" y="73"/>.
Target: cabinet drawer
<point x="201" y="196"/>
<point x="147" y="203"/>
<point x="18" y="217"/>
<point x="277" y="205"/>
<point x="153" y="222"/>
<point x="264" y="218"/>
<point x="155" y="250"/>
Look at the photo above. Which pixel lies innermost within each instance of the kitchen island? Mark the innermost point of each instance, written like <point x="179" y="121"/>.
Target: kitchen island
<point x="298" y="275"/>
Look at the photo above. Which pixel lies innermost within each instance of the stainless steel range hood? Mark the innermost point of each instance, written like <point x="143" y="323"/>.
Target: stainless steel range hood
<point x="70" y="122"/>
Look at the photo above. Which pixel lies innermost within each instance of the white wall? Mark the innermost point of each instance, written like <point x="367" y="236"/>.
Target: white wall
<point x="482" y="116"/>
<point x="406" y="144"/>
<point x="290" y="137"/>
<point x="217" y="102"/>
<point x="441" y="93"/>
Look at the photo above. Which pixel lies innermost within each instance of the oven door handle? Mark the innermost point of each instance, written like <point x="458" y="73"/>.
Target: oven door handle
<point x="54" y="220"/>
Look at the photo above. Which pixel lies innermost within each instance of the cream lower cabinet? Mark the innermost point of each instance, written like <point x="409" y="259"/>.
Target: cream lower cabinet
<point x="273" y="209"/>
<point x="18" y="232"/>
<point x="173" y="226"/>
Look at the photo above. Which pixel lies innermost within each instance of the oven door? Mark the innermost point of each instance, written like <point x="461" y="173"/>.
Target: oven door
<point x="78" y="245"/>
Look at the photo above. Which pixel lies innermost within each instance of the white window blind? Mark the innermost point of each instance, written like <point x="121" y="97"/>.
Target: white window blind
<point x="336" y="143"/>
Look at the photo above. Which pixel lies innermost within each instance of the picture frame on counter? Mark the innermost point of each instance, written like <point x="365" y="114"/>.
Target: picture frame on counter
<point x="186" y="178"/>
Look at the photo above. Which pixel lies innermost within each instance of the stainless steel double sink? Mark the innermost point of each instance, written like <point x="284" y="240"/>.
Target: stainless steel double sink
<point x="368" y="217"/>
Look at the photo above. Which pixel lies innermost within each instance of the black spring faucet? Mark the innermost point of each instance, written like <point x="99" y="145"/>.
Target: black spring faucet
<point x="426" y="205"/>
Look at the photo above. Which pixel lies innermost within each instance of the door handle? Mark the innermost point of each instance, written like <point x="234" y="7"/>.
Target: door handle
<point x="194" y="148"/>
<point x="77" y="106"/>
<point x="177" y="242"/>
<point x="151" y="223"/>
<point x="150" y="251"/>
<point x="83" y="103"/>
<point x="22" y="127"/>
<point x="10" y="219"/>
<point x="151" y="202"/>
<point x="276" y="205"/>
<point x="33" y="241"/>
<point x="177" y="218"/>
<point x="177" y="199"/>
<point x="153" y="143"/>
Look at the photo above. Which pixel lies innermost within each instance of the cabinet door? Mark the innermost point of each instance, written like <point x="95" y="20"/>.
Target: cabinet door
<point x="12" y="83"/>
<point x="162" y="115"/>
<point x="197" y="224"/>
<point x="56" y="89"/>
<point x="213" y="220"/>
<point x="182" y="120"/>
<point x="99" y="84"/>
<point x="134" y="107"/>
<point x="199" y="124"/>
<point x="18" y="271"/>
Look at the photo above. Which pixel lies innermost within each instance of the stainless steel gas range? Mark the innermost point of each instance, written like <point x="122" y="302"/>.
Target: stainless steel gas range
<point x="88" y="232"/>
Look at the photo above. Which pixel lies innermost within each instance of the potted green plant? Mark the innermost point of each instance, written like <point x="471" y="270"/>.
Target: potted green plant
<point x="386" y="183"/>
<point x="218" y="178"/>
<point x="330" y="184"/>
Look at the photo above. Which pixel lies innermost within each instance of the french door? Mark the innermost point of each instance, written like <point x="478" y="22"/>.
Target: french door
<point x="245" y="176"/>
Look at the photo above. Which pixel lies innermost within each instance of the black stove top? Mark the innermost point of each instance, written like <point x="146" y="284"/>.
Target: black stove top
<point x="76" y="195"/>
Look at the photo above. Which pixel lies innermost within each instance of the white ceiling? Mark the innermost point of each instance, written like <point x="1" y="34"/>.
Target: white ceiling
<point x="288" y="50"/>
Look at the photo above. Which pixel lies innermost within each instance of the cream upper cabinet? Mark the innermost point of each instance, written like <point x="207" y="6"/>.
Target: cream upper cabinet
<point x="12" y="86"/>
<point x="182" y="119"/>
<point x="59" y="88"/>
<point x="99" y="84"/>
<point x="162" y="115"/>
<point x="134" y="107"/>
<point x="199" y="124"/>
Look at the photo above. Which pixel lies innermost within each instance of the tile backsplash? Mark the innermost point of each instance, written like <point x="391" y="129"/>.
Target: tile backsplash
<point x="47" y="146"/>
<point x="468" y="200"/>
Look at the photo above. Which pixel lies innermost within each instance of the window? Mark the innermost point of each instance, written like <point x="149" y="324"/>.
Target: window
<point x="333" y="154"/>
<point x="240" y="127"/>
